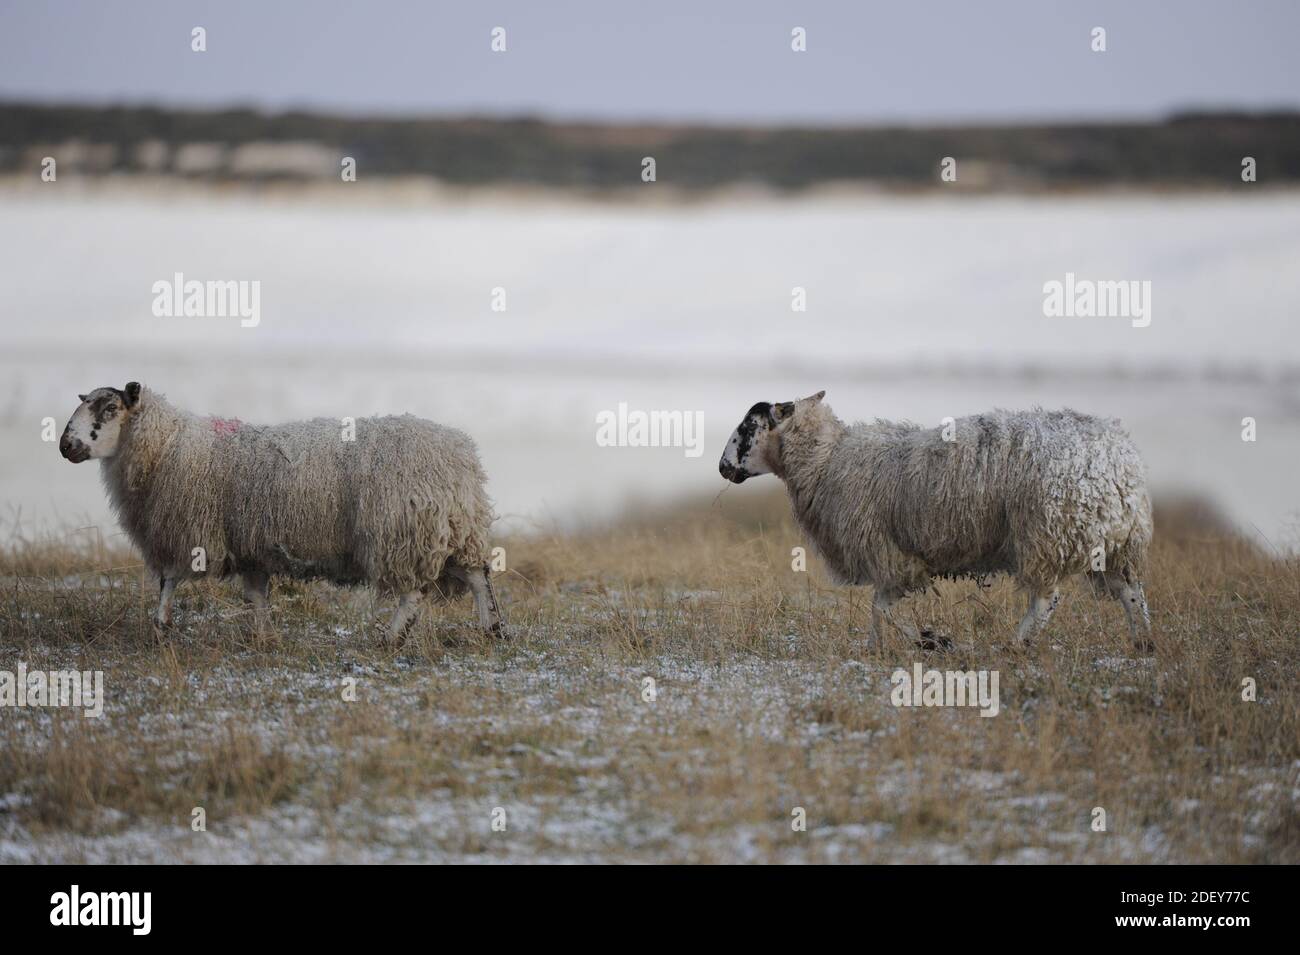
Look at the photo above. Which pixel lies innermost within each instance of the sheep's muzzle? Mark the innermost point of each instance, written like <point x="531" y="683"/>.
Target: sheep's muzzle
<point x="732" y="473"/>
<point x="73" y="449"/>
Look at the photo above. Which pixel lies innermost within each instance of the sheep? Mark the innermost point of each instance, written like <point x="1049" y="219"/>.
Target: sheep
<point x="399" y="504"/>
<point x="1039" y="495"/>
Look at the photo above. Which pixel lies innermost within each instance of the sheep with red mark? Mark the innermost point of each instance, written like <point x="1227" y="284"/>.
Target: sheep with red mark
<point x="401" y="504"/>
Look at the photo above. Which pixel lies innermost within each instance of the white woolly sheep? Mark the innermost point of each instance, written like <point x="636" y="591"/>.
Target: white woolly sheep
<point x="1039" y="495"/>
<point x="400" y="504"/>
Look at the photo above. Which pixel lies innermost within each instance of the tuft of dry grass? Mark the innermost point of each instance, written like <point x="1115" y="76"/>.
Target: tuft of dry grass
<point x="313" y="742"/>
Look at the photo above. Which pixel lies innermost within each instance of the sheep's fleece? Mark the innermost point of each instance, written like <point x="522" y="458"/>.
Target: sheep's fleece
<point x="1031" y="493"/>
<point x="390" y="508"/>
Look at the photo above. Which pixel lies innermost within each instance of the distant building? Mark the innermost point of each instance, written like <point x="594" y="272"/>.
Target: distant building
<point x="152" y="155"/>
<point x="200" y="159"/>
<point x="75" y="155"/>
<point x="299" y="159"/>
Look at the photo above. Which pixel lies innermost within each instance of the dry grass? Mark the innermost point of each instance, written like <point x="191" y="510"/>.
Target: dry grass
<point x="767" y="699"/>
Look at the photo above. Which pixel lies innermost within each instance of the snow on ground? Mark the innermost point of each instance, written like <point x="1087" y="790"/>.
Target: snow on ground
<point x="386" y="308"/>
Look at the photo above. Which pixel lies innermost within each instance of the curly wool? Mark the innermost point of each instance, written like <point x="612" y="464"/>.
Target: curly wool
<point x="389" y="508"/>
<point x="1029" y="493"/>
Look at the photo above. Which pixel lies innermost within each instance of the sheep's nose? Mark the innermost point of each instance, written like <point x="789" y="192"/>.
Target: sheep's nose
<point x="72" y="449"/>
<point x="734" y="474"/>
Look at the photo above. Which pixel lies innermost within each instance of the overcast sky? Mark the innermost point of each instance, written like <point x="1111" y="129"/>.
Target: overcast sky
<point x="708" y="60"/>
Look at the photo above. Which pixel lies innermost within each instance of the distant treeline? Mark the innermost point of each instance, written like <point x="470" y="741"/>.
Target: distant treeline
<point x="1193" y="150"/>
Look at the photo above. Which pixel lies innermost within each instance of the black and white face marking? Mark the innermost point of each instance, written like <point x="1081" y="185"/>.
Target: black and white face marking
<point x="95" y="427"/>
<point x="742" y="457"/>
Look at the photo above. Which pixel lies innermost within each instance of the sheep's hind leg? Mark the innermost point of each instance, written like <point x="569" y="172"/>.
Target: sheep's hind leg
<point x="479" y="581"/>
<point x="497" y="624"/>
<point x="1133" y="597"/>
<point x="407" y="607"/>
<point x="1042" y="604"/>
<point x="162" y="617"/>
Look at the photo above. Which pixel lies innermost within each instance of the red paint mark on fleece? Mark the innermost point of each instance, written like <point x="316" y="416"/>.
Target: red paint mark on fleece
<point x="226" y="425"/>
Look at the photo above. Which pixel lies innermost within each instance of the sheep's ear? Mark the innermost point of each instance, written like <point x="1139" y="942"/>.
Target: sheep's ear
<point x="132" y="393"/>
<point x="817" y="397"/>
<point x="782" y="410"/>
<point x="82" y="397"/>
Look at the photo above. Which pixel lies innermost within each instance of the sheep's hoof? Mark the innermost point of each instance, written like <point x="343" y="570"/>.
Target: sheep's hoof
<point x="498" y="631"/>
<point x="934" y="641"/>
<point x="1144" y="646"/>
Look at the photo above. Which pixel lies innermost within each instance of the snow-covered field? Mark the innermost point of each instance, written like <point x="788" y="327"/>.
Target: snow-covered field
<point x="916" y="308"/>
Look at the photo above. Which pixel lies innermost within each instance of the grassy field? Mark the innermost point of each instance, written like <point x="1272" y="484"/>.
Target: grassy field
<point x="310" y="741"/>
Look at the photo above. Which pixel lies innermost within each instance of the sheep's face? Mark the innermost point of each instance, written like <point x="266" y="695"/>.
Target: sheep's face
<point x="95" y="427"/>
<point x="749" y="448"/>
<point x="755" y="446"/>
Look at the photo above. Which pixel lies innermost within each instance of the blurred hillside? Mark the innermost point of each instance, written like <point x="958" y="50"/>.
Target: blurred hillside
<point x="1186" y="151"/>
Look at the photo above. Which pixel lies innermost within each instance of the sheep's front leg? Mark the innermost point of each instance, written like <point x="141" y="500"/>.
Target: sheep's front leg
<point x="879" y="606"/>
<point x="163" y="615"/>
<point x="882" y="604"/>
<point x="1041" y="607"/>
<point x="257" y="587"/>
